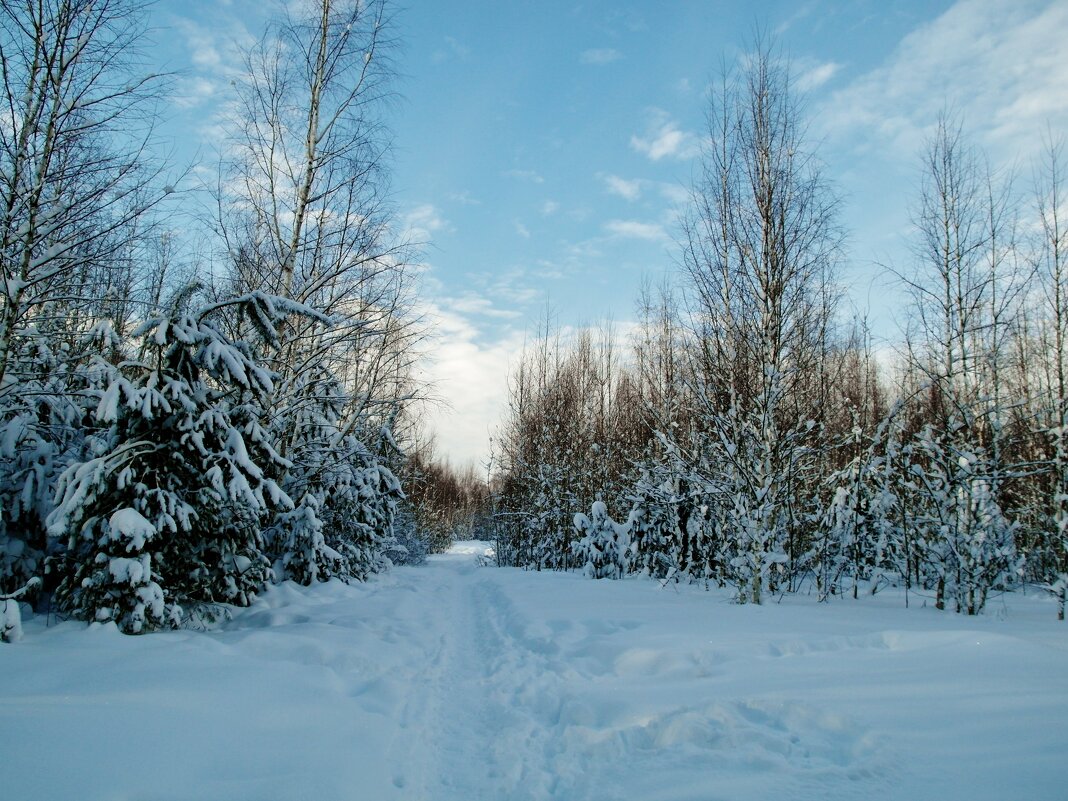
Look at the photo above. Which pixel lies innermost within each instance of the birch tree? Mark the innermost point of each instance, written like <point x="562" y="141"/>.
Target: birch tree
<point x="961" y="311"/>
<point x="759" y="245"/>
<point x="1052" y="265"/>
<point x="312" y="224"/>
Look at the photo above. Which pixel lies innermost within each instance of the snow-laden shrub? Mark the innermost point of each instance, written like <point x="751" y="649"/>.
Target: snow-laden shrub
<point x="673" y="534"/>
<point x="43" y="426"/>
<point x="118" y="583"/>
<point x="967" y="543"/>
<point x="604" y="546"/>
<point x="364" y="504"/>
<point x="11" y="612"/>
<point x="657" y="520"/>
<point x="412" y="543"/>
<point x="305" y="556"/>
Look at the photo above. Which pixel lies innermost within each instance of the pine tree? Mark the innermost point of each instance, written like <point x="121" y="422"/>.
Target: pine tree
<point x="166" y="511"/>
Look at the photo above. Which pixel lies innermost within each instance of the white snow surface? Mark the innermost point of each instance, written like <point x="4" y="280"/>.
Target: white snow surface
<point x="131" y="525"/>
<point x="459" y="681"/>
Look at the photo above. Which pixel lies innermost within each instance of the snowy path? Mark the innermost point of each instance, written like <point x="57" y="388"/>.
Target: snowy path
<point x="451" y="681"/>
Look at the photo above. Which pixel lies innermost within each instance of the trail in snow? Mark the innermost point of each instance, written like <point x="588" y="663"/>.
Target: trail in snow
<point x="454" y="681"/>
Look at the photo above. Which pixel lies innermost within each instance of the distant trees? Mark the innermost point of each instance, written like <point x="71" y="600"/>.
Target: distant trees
<point x="573" y="420"/>
<point x="764" y="445"/>
<point x="447" y="503"/>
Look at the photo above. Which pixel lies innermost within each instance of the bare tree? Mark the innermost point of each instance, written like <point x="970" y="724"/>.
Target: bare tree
<point x="1052" y="265"/>
<point x="966" y="293"/>
<point x="308" y="179"/>
<point x="78" y="183"/>
<point x="75" y="180"/>
<point x="306" y="217"/>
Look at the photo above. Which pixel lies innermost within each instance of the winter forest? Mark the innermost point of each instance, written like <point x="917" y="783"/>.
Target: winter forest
<point x="184" y="423"/>
<point x="180" y="430"/>
<point x="749" y="434"/>
<point x="736" y="540"/>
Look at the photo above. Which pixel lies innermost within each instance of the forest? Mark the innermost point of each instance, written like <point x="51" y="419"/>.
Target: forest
<point x="191" y="413"/>
<point x="748" y="433"/>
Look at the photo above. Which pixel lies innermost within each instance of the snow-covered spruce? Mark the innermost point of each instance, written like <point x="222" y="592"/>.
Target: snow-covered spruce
<point x="657" y="527"/>
<point x="304" y="556"/>
<point x="167" y="509"/>
<point x="42" y="429"/>
<point x="670" y="529"/>
<point x="344" y="523"/>
<point x="604" y="545"/>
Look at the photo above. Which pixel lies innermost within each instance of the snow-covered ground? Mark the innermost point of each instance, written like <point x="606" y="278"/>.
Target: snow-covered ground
<point x="454" y="681"/>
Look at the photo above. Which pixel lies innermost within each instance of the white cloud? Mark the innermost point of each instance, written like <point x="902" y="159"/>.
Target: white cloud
<point x="525" y="175"/>
<point x="214" y="49"/>
<point x="673" y="193"/>
<point x="470" y="374"/>
<point x="472" y="304"/>
<point x="800" y="13"/>
<point x="1001" y="63"/>
<point x="813" y="76"/>
<point x="664" y="139"/>
<point x="599" y="56"/>
<point x="191" y="92"/>
<point x="512" y="286"/>
<point x="522" y="230"/>
<point x="633" y="229"/>
<point x="549" y="271"/>
<point x="634" y="188"/>
<point x="549" y="208"/>
<point x="423" y="222"/>
<point x="629" y="190"/>
<point x="202" y="51"/>
<point x="464" y="198"/>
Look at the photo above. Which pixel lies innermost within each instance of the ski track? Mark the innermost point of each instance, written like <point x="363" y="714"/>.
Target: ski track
<point x="544" y="710"/>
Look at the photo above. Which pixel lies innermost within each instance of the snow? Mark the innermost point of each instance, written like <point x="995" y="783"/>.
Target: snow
<point x="130" y="525"/>
<point x="459" y="681"/>
<point x="10" y="620"/>
<point x="129" y="571"/>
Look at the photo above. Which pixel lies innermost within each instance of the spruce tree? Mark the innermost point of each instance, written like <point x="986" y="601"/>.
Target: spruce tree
<point x="166" y="510"/>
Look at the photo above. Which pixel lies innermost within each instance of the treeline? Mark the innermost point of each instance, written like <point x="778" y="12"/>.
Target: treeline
<point x="193" y="405"/>
<point x="449" y="503"/>
<point x="748" y="433"/>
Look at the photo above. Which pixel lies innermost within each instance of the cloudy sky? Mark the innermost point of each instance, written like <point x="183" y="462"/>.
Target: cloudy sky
<point x="543" y="149"/>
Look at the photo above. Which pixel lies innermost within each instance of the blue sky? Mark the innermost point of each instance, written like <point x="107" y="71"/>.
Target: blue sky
<point x="543" y="149"/>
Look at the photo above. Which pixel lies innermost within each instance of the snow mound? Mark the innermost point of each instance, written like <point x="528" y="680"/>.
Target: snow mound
<point x="471" y="548"/>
